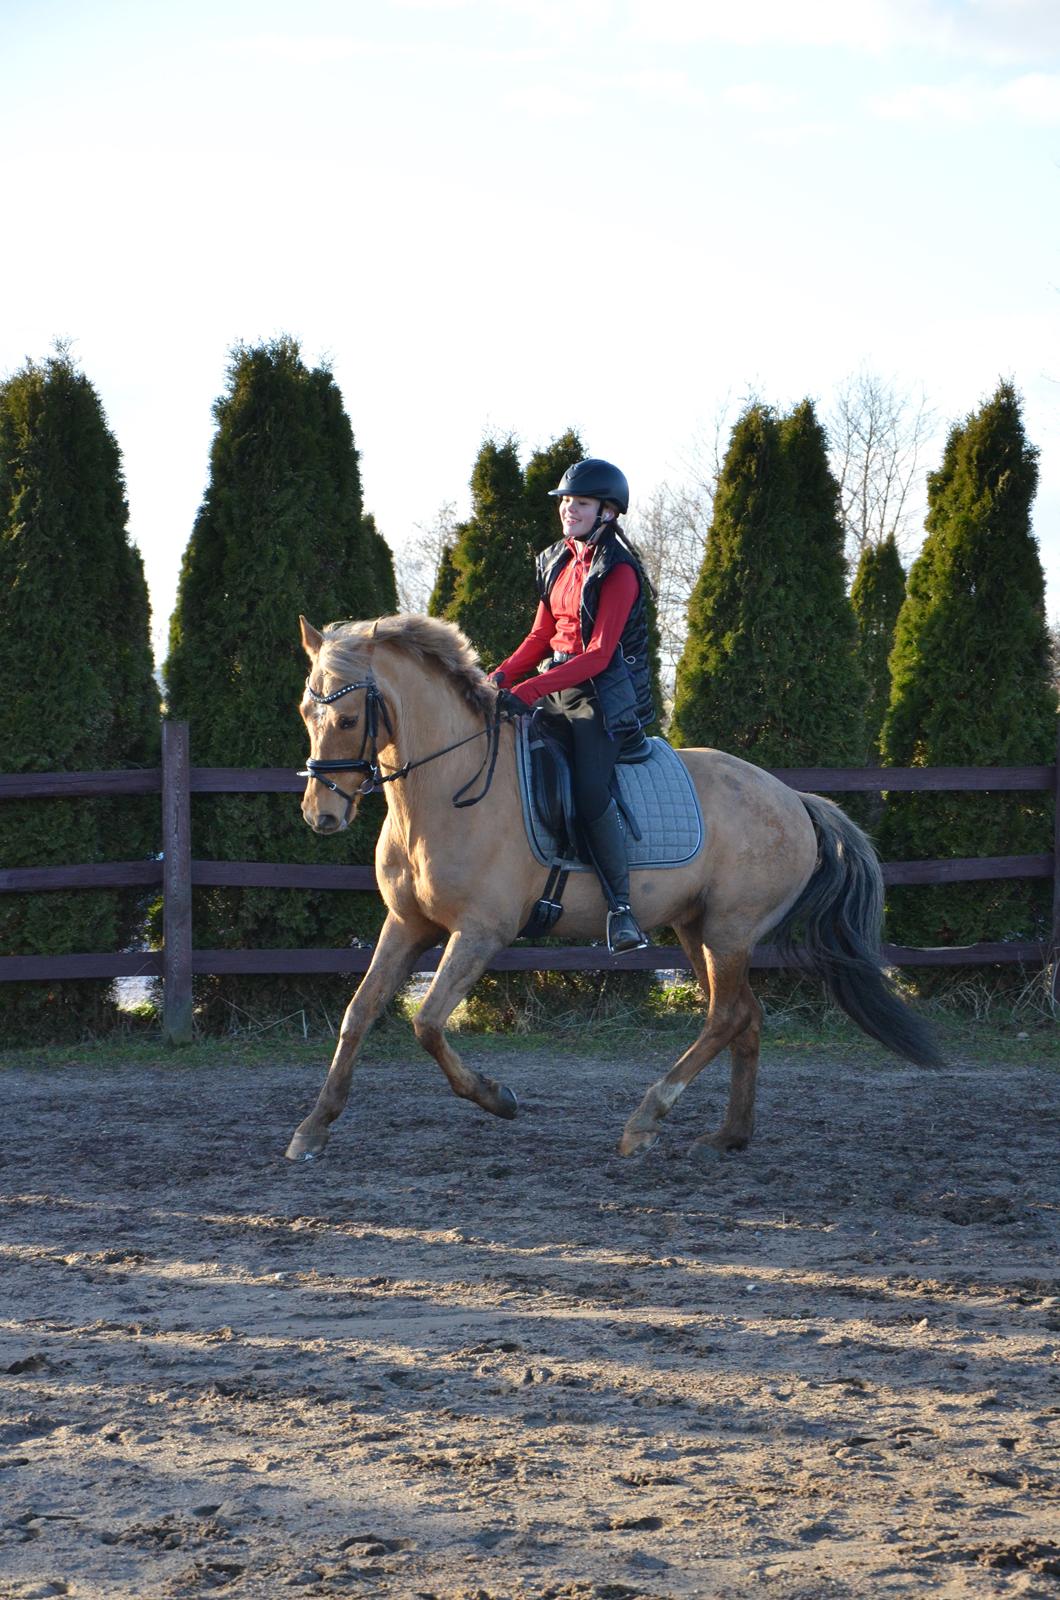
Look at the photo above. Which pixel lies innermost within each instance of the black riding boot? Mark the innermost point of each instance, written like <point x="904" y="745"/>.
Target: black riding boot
<point x="606" y="839"/>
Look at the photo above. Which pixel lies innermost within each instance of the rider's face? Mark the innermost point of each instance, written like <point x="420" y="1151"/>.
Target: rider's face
<point x="578" y="515"/>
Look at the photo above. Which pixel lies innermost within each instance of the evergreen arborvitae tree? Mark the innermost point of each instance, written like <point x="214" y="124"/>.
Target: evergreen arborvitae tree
<point x="543" y="473"/>
<point x="281" y="530"/>
<point x="655" y="646"/>
<point x="876" y="595"/>
<point x="444" y="591"/>
<point x="493" y="557"/>
<point x="769" y="670"/>
<point x="384" y="578"/>
<point x="77" y="691"/>
<point x="970" y="674"/>
<point x="828" y="682"/>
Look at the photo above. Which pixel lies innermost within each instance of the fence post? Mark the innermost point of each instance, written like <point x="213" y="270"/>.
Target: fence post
<point x="176" y="884"/>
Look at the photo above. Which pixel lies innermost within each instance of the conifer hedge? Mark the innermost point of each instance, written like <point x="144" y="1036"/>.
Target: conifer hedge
<point x="770" y="668"/>
<point x="543" y="472"/>
<point x="281" y="530"/>
<point x="971" y="684"/>
<point x="445" y="579"/>
<point x="77" y="690"/>
<point x="384" y="578"/>
<point x="877" y="595"/>
<point x="493" y="556"/>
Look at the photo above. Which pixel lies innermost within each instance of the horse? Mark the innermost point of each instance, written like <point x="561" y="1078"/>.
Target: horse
<point x="403" y="703"/>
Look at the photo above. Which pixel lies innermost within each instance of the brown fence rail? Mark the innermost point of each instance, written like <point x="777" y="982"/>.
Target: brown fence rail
<point x="177" y="873"/>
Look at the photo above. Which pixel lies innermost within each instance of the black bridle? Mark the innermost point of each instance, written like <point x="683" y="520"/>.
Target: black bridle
<point x="367" y="759"/>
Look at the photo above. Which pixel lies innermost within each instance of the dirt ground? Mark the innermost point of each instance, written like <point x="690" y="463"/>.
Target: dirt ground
<point x="465" y="1358"/>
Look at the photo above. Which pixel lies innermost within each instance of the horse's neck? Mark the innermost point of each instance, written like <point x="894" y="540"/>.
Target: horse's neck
<point x="427" y="716"/>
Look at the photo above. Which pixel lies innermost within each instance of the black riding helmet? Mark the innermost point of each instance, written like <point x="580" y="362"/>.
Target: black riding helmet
<point x="593" y="479"/>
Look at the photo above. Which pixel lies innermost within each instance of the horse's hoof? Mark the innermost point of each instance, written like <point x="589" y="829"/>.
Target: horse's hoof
<point x="504" y="1103"/>
<point x="715" y="1144"/>
<point x="704" y="1149"/>
<point x="306" y="1146"/>
<point x="637" y="1143"/>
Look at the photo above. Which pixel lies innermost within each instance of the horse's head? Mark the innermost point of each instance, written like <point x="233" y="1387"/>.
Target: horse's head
<point x="342" y="712"/>
<point x="351" y="725"/>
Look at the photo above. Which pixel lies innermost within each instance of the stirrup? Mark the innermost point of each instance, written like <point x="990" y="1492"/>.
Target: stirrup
<point x="623" y="932"/>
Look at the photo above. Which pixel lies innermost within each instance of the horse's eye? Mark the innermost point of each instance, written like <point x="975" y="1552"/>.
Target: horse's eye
<point x="347" y="722"/>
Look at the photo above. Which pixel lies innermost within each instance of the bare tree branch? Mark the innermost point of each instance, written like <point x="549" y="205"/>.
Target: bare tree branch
<point x="877" y="440"/>
<point x="670" y="531"/>
<point x="416" y="564"/>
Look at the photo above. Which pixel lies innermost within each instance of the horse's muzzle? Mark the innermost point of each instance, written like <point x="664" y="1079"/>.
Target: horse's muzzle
<point x="317" y="771"/>
<point x="324" y="821"/>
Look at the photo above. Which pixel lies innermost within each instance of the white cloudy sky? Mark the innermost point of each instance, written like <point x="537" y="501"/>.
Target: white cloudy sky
<point x="514" y="215"/>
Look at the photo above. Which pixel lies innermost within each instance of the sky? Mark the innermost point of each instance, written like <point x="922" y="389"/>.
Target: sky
<point x="510" y="217"/>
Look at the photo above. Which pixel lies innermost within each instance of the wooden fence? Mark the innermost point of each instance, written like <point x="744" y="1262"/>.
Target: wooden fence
<point x="177" y="873"/>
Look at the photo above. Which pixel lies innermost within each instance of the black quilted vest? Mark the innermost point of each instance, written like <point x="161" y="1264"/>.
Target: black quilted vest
<point x="623" y="688"/>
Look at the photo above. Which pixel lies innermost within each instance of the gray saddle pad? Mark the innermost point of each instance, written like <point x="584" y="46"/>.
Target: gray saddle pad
<point x="658" y="793"/>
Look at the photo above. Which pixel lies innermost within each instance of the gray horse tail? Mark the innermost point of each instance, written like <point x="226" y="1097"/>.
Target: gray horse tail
<point x="835" y="927"/>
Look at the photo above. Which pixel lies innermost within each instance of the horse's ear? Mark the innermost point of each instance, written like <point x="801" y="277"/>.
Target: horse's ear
<point x="312" y="639"/>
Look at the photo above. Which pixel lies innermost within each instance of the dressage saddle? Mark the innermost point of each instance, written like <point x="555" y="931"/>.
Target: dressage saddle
<point x="651" y="787"/>
<point x="553" y="790"/>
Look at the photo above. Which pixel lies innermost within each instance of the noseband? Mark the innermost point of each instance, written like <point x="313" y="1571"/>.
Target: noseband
<point x="367" y="760"/>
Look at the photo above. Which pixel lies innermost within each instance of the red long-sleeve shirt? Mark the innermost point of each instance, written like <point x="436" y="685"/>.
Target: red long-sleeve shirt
<point x="557" y="629"/>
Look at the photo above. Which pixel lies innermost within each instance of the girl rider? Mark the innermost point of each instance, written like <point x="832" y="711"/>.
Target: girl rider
<point x="589" y="642"/>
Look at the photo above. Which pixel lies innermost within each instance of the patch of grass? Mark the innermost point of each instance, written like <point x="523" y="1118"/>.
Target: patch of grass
<point x="980" y="1019"/>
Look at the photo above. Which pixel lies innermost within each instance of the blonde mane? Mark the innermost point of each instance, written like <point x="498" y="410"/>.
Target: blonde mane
<point x="429" y="639"/>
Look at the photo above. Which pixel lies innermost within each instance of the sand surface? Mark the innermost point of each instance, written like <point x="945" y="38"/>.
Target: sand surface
<point x="465" y="1358"/>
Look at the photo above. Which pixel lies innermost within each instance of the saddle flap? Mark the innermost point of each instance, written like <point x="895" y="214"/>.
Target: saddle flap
<point x="553" y="794"/>
<point x="654" y="791"/>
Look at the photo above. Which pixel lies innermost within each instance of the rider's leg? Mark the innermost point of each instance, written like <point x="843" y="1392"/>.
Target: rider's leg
<point x="606" y="838"/>
<point x="594" y="762"/>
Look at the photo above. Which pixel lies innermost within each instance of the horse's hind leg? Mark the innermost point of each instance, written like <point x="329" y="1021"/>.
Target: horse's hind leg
<point x="690" y="935"/>
<point x="738" y="1126"/>
<point x="462" y="964"/>
<point x="729" y="1015"/>
<point x="401" y="942"/>
<point x="735" y="1132"/>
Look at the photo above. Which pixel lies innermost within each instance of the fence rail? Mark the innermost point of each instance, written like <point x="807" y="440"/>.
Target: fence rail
<point x="177" y="873"/>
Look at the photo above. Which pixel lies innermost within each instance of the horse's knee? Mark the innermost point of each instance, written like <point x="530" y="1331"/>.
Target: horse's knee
<point x="429" y="1034"/>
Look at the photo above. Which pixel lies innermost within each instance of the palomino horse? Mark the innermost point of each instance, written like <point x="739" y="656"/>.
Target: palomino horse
<point x="403" y="703"/>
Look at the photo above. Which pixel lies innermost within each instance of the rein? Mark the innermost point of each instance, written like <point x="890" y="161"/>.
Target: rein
<point x="367" y="761"/>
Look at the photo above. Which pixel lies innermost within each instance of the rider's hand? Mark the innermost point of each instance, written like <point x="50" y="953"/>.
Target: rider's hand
<point x="511" y="705"/>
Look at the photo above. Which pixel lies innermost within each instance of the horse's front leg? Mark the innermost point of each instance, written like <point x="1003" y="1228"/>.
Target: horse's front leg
<point x="463" y="963"/>
<point x="401" y="942"/>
